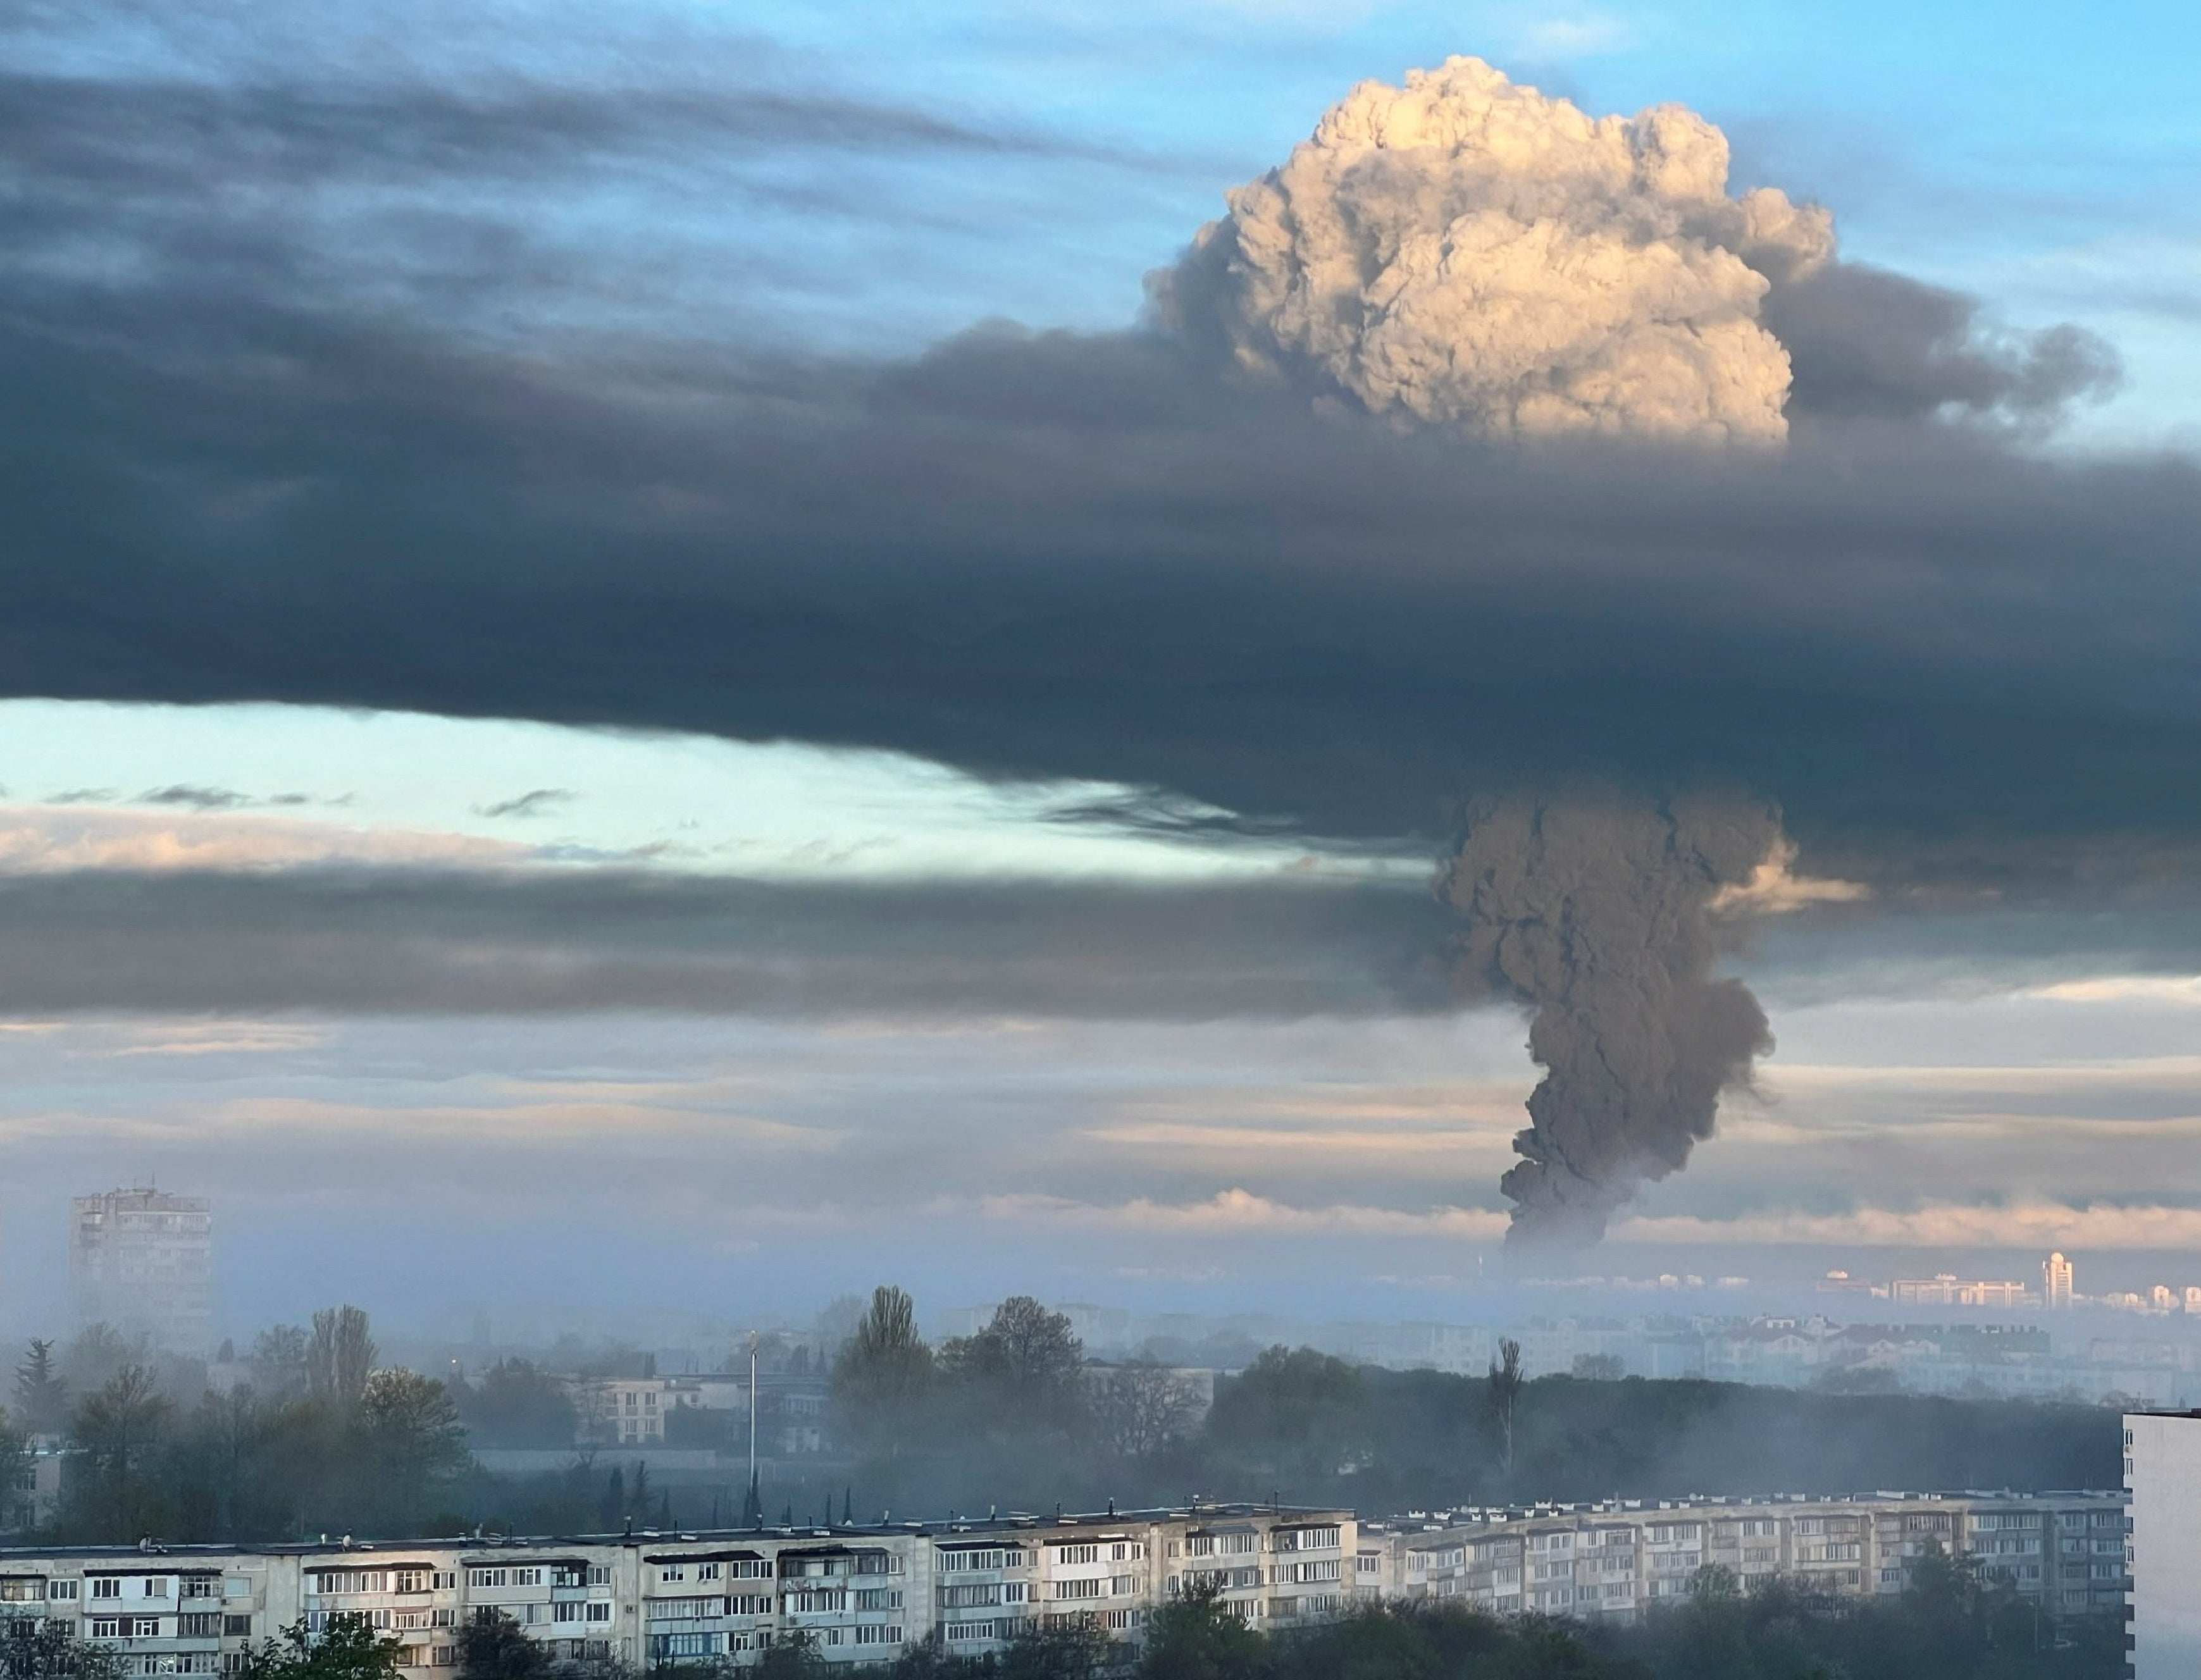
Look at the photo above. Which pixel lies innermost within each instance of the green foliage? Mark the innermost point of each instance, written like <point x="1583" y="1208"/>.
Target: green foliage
<point x="41" y="1397"/>
<point x="347" y="1649"/>
<point x="516" y="1405"/>
<point x="1196" y="1637"/>
<point x="119" y="1431"/>
<point x="1023" y="1374"/>
<point x="340" y="1357"/>
<point x="494" y="1647"/>
<point x="16" y="1512"/>
<point x="883" y="1374"/>
<point x="1297" y="1413"/>
<point x="48" y="1650"/>
<point x="241" y="1467"/>
<point x="1503" y="1396"/>
<point x="793" y="1656"/>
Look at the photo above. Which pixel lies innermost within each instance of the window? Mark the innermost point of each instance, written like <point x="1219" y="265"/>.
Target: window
<point x="201" y="1586"/>
<point x="236" y="1627"/>
<point x="672" y="1572"/>
<point x="61" y="1589"/>
<point x="144" y="1627"/>
<point x="486" y="1578"/>
<point x="878" y="1598"/>
<point x="1077" y="1589"/>
<point x="961" y="1561"/>
<point x="600" y="1610"/>
<point x="878" y="1635"/>
<point x="107" y="1586"/>
<point x="106" y="1627"/>
<point x="154" y="1586"/>
<point x="664" y="1645"/>
<point x="410" y="1581"/>
<point x="1079" y="1554"/>
<point x="709" y="1571"/>
<point x="600" y="1575"/>
<point x="566" y="1611"/>
<point x="199" y="1627"/>
<point x="526" y="1578"/>
<point x="446" y="1580"/>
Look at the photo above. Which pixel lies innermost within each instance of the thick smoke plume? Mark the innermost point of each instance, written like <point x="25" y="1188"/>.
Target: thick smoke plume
<point x="1464" y="252"/>
<point x="1601" y="911"/>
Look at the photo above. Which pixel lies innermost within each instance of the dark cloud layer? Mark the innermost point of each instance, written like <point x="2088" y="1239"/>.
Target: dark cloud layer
<point x="1057" y="555"/>
<point x="394" y="942"/>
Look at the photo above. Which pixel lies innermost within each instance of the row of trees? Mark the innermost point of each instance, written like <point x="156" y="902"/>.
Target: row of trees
<point x="1022" y="1377"/>
<point x="346" y="1447"/>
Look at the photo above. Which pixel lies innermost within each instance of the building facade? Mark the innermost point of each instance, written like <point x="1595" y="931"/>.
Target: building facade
<point x="2162" y="1472"/>
<point x="2065" y="1552"/>
<point x="143" y="1260"/>
<point x="861" y="1594"/>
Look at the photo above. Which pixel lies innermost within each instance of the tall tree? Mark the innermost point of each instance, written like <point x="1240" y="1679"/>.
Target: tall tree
<point x="1302" y="1413"/>
<point x="99" y="1352"/>
<point x="117" y="1431"/>
<point x="1142" y="1406"/>
<point x="517" y="1405"/>
<point x="883" y="1372"/>
<point x="41" y="1396"/>
<point x="494" y="1647"/>
<point x="413" y="1439"/>
<point x="1026" y="1367"/>
<point x="340" y="1357"/>
<point x="1503" y="1396"/>
<point x="278" y="1360"/>
<point x="18" y="1509"/>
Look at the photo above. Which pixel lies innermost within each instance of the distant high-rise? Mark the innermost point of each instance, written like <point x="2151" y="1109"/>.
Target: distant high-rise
<point x="143" y="1260"/>
<point x="2055" y="1274"/>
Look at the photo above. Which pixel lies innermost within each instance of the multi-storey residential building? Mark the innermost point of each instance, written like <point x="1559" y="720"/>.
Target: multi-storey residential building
<point x="2065" y="1551"/>
<point x="2162" y="1470"/>
<point x="860" y="1593"/>
<point x="143" y="1260"/>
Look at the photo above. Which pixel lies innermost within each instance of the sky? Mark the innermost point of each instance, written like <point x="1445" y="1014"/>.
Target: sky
<point x="648" y="670"/>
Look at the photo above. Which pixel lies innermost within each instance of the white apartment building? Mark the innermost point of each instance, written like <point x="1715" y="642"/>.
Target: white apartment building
<point x="1614" y="1558"/>
<point x="2162" y="1472"/>
<point x="862" y="1594"/>
<point x="143" y="1260"/>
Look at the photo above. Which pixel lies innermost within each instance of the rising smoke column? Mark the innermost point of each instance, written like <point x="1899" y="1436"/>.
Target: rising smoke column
<point x="1467" y="254"/>
<point x="1601" y="911"/>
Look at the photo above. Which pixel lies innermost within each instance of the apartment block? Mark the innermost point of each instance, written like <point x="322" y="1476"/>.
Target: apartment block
<point x="2162" y="1471"/>
<point x="1614" y="1558"/>
<point x="143" y="1260"/>
<point x="860" y="1593"/>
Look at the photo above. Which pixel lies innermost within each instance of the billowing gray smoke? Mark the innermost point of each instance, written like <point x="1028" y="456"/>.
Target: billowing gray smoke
<point x="1602" y="912"/>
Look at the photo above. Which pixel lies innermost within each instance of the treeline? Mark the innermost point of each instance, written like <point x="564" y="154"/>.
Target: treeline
<point x="322" y="1440"/>
<point x="1014" y="1417"/>
<point x="337" y="1444"/>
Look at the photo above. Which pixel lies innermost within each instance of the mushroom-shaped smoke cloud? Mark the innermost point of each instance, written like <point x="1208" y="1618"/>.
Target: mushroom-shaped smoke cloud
<point x="1601" y="911"/>
<point x="1464" y="252"/>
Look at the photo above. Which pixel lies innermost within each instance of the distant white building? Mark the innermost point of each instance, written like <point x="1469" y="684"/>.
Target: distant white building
<point x="143" y="1260"/>
<point x="2162" y="1470"/>
<point x="2056" y="1280"/>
